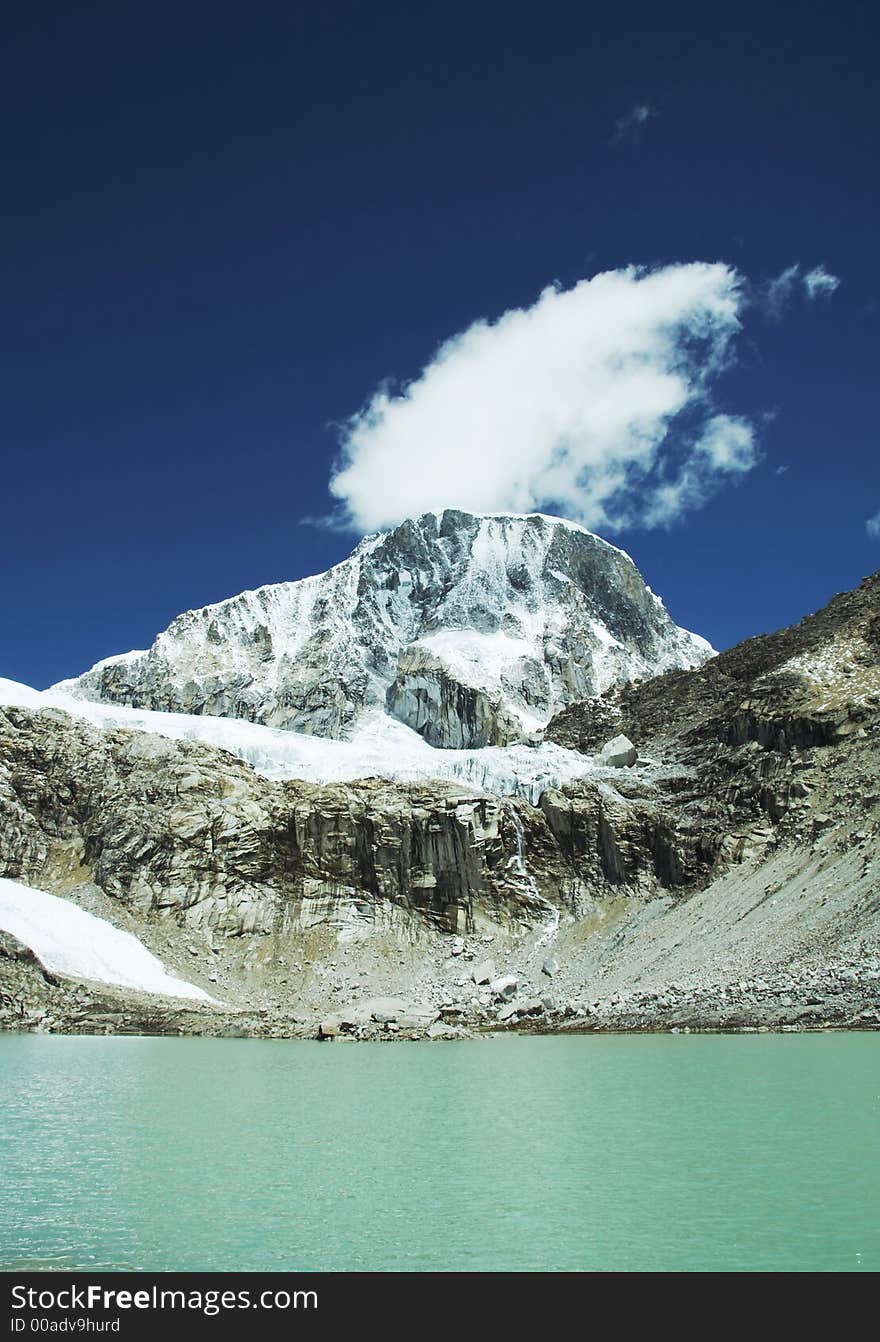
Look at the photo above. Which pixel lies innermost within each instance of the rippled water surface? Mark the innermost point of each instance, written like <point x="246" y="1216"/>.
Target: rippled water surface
<point x="615" y="1152"/>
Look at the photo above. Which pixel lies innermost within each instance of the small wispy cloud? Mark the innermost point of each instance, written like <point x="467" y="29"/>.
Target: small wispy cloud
<point x="780" y="470"/>
<point x="872" y="527"/>
<point x="819" y="283"/>
<point x="725" y="449"/>
<point x="778" y="291"/>
<point x="633" y="122"/>
<point x="776" y="294"/>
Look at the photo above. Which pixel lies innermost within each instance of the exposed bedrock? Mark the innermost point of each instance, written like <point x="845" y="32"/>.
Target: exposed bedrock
<point x="184" y="830"/>
<point x="446" y="712"/>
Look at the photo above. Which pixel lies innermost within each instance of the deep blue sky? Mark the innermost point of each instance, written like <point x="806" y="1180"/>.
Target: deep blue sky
<point x="224" y="224"/>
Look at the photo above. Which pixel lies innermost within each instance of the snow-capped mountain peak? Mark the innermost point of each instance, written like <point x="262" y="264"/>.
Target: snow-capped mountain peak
<point x="471" y="628"/>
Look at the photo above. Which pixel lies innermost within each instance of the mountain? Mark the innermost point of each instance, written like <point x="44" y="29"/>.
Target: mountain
<point x="471" y="629"/>
<point x="728" y="878"/>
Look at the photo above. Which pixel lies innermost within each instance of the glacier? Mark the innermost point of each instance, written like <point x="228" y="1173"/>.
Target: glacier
<point x="381" y="748"/>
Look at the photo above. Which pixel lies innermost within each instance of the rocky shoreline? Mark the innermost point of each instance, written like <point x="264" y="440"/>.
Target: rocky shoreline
<point x="688" y="1019"/>
<point x="838" y="998"/>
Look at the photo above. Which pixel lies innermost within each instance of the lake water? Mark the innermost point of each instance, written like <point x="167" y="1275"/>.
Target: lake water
<point x="591" y="1152"/>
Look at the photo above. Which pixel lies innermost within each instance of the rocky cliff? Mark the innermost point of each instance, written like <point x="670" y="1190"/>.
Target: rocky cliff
<point x="185" y="832"/>
<point x="760" y="729"/>
<point x="180" y="830"/>
<point x="471" y="629"/>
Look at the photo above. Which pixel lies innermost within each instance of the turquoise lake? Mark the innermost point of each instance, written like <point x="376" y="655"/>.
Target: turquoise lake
<point x="652" y="1152"/>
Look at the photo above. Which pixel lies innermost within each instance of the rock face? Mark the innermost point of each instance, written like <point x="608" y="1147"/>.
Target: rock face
<point x="427" y="696"/>
<point x="760" y="746"/>
<point x="806" y="686"/>
<point x="471" y="629"/>
<point x="186" y="831"/>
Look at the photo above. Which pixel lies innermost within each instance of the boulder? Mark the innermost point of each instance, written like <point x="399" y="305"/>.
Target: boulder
<point x="619" y="753"/>
<point x="417" y="1017"/>
<point x="505" y="986"/>
<point x="440" y="1031"/>
<point x="362" y="1013"/>
<point x="483" y="972"/>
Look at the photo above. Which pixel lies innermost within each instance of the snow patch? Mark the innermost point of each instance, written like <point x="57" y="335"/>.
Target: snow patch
<point x="475" y="659"/>
<point x="604" y="635"/>
<point x="552" y="521"/>
<point x="74" y="943"/>
<point x="15" y="695"/>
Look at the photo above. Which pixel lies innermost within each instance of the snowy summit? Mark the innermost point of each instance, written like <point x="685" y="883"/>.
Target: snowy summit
<point x="471" y="629"/>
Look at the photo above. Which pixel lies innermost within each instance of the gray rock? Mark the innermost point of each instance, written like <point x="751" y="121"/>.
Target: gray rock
<point x="619" y="753"/>
<point x="550" y="967"/>
<point x="440" y="1031"/>
<point x="183" y="842"/>
<point x="483" y="972"/>
<point x="417" y="1017"/>
<point x="363" y="1013"/>
<point x="428" y="697"/>
<point x="505" y="986"/>
<point x="13" y="949"/>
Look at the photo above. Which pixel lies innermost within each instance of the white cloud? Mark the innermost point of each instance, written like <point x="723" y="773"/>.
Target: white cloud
<point x="819" y="284"/>
<point x="725" y="449"/>
<point x="873" y="527"/>
<point x="594" y="402"/>
<point x="778" y="293"/>
<point x="633" y="122"/>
